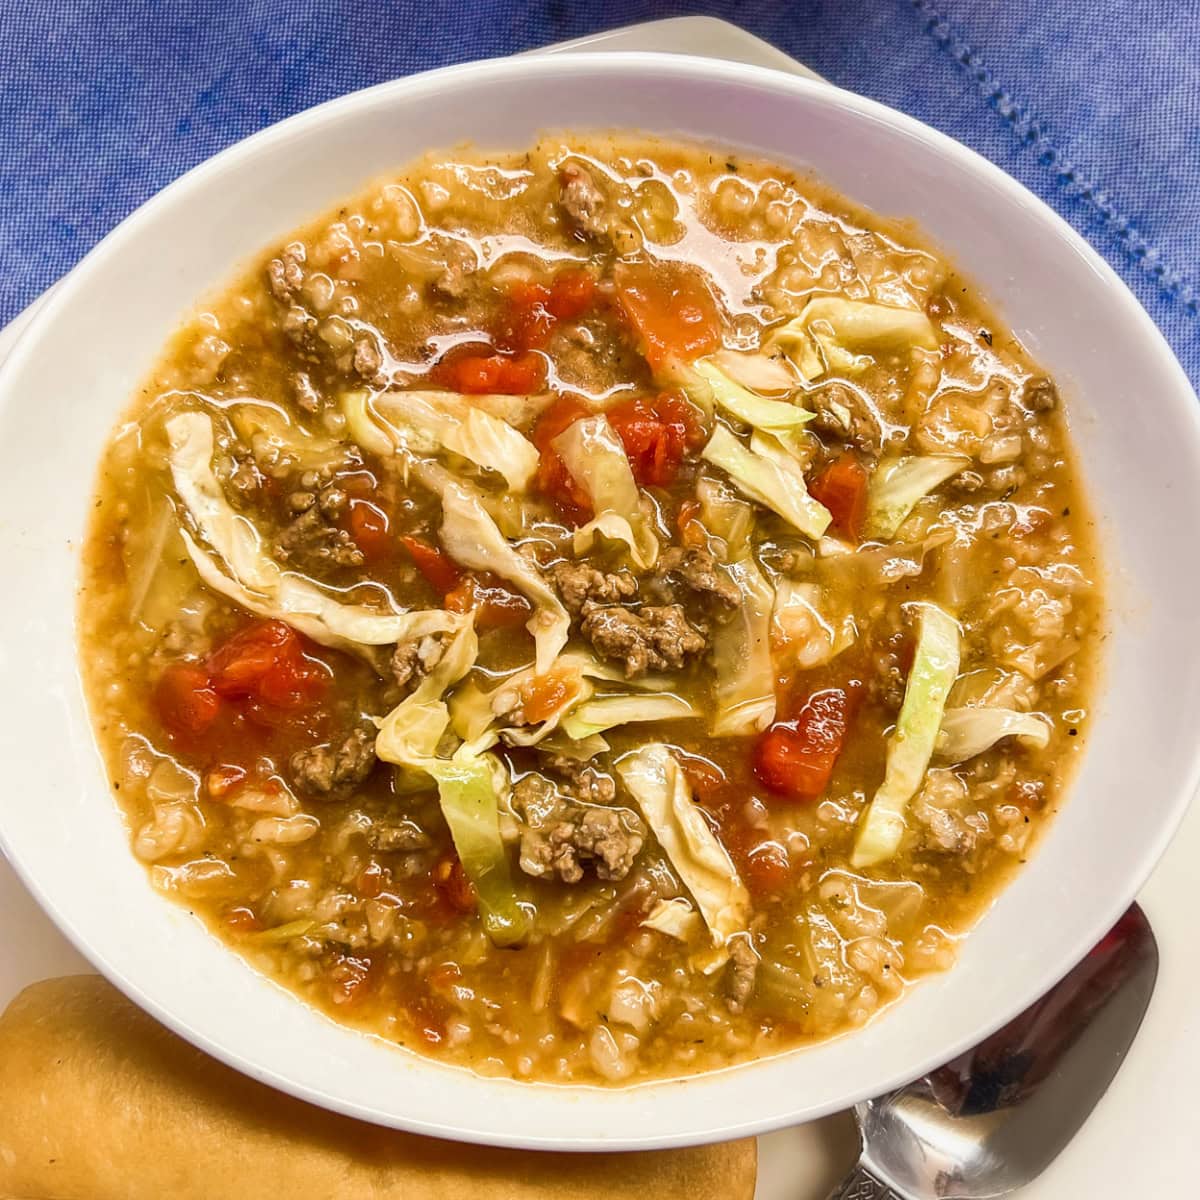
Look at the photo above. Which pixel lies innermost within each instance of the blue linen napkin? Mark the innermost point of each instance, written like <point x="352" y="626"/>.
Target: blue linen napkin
<point x="1095" y="107"/>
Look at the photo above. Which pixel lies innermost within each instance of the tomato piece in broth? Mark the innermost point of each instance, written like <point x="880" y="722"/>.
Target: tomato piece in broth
<point x="842" y="488"/>
<point x="441" y="572"/>
<point x="657" y="433"/>
<point x="186" y="701"/>
<point x="671" y="309"/>
<point x="553" y="479"/>
<point x="795" y="758"/>
<point x="370" y="528"/>
<point x="481" y="374"/>
<point x="266" y="662"/>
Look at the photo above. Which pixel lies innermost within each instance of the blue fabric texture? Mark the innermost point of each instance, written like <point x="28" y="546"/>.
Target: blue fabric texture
<point x="1095" y="107"/>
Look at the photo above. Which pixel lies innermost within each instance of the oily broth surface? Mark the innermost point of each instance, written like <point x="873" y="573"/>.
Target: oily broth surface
<point x="378" y="938"/>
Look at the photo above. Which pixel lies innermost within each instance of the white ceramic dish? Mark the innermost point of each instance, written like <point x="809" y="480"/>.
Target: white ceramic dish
<point x="1134" y="419"/>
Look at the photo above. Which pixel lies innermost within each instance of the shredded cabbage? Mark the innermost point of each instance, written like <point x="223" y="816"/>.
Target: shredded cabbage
<point x="475" y="712"/>
<point x="759" y="371"/>
<point x="675" y="917"/>
<point x="596" y="460"/>
<point x="606" y="712"/>
<point x="768" y="480"/>
<point x="741" y="655"/>
<point x="802" y="635"/>
<point x="966" y="732"/>
<point x="896" y="486"/>
<point x="657" y="783"/>
<point x="429" y="422"/>
<point x="471" y="538"/>
<point x="265" y="426"/>
<point x="252" y="579"/>
<point x="911" y="745"/>
<point x="470" y="784"/>
<point x="711" y="385"/>
<point x="835" y="334"/>
<point x="469" y="787"/>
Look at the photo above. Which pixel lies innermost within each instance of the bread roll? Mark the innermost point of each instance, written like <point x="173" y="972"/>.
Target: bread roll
<point x="100" y="1102"/>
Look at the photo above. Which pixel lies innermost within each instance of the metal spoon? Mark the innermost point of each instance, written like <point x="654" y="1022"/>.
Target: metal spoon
<point x="991" y="1120"/>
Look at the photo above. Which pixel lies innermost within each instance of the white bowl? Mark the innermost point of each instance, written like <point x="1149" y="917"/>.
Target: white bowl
<point x="1134" y="419"/>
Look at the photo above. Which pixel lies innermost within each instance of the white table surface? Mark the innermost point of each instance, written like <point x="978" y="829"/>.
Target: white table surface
<point x="1139" y="1142"/>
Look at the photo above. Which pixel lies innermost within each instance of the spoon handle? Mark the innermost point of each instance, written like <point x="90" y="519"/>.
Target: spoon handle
<point x="861" y="1184"/>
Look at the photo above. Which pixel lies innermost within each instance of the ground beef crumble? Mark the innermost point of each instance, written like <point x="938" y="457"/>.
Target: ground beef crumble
<point x="682" y="571"/>
<point x="579" y="582"/>
<point x="337" y="767"/>
<point x="651" y="639"/>
<point x="560" y="837"/>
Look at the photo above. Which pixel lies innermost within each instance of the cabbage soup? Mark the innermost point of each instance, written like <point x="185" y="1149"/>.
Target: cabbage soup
<point x="601" y="612"/>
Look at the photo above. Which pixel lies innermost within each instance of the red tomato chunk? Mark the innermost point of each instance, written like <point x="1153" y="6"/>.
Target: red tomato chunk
<point x="795" y="758"/>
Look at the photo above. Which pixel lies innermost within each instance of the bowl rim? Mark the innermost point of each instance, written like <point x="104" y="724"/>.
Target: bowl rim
<point x="617" y="64"/>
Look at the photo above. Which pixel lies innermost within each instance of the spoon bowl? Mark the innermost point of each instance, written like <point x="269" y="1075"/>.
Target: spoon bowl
<point x="992" y="1119"/>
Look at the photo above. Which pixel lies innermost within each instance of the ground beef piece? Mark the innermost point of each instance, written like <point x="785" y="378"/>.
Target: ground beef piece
<point x="285" y="274"/>
<point x="245" y="477"/>
<point x="560" y="837"/>
<point x="396" y="836"/>
<point x="847" y="414"/>
<point x="336" y="767"/>
<point x="412" y="661"/>
<point x="692" y="570"/>
<point x="740" y="974"/>
<point x="582" y="200"/>
<point x="965" y="483"/>
<point x="457" y="274"/>
<point x="299" y="324"/>
<point x="579" y="582"/>
<point x="368" y="358"/>
<point x="306" y="394"/>
<point x="582" y="780"/>
<point x="651" y="639"/>
<point x="313" y="537"/>
<point x="1039" y="394"/>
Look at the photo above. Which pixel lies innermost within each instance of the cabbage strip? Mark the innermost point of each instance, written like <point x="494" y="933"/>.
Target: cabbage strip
<point x="596" y="460"/>
<point x="248" y="576"/>
<point x="657" y="783"/>
<point x="911" y="746"/>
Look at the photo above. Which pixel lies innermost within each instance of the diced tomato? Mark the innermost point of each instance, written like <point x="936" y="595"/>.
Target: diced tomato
<point x="532" y="310"/>
<point x="572" y="293"/>
<point x="479" y="374"/>
<point x="526" y="322"/>
<point x="427" y="1016"/>
<point x="796" y="757"/>
<point x="767" y="867"/>
<point x="656" y="434"/>
<point x="671" y="309"/>
<point x="220" y="780"/>
<point x="687" y="521"/>
<point x="452" y="884"/>
<point x="350" y="979"/>
<point x="495" y="606"/>
<point x="186" y="701"/>
<point x="741" y="820"/>
<point x="242" y="920"/>
<point x="266" y="663"/>
<point x="553" y="479"/>
<point x="842" y="488"/>
<point x="369" y="527"/>
<point x="441" y="571"/>
<point x="543" y="694"/>
<point x="371" y="880"/>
